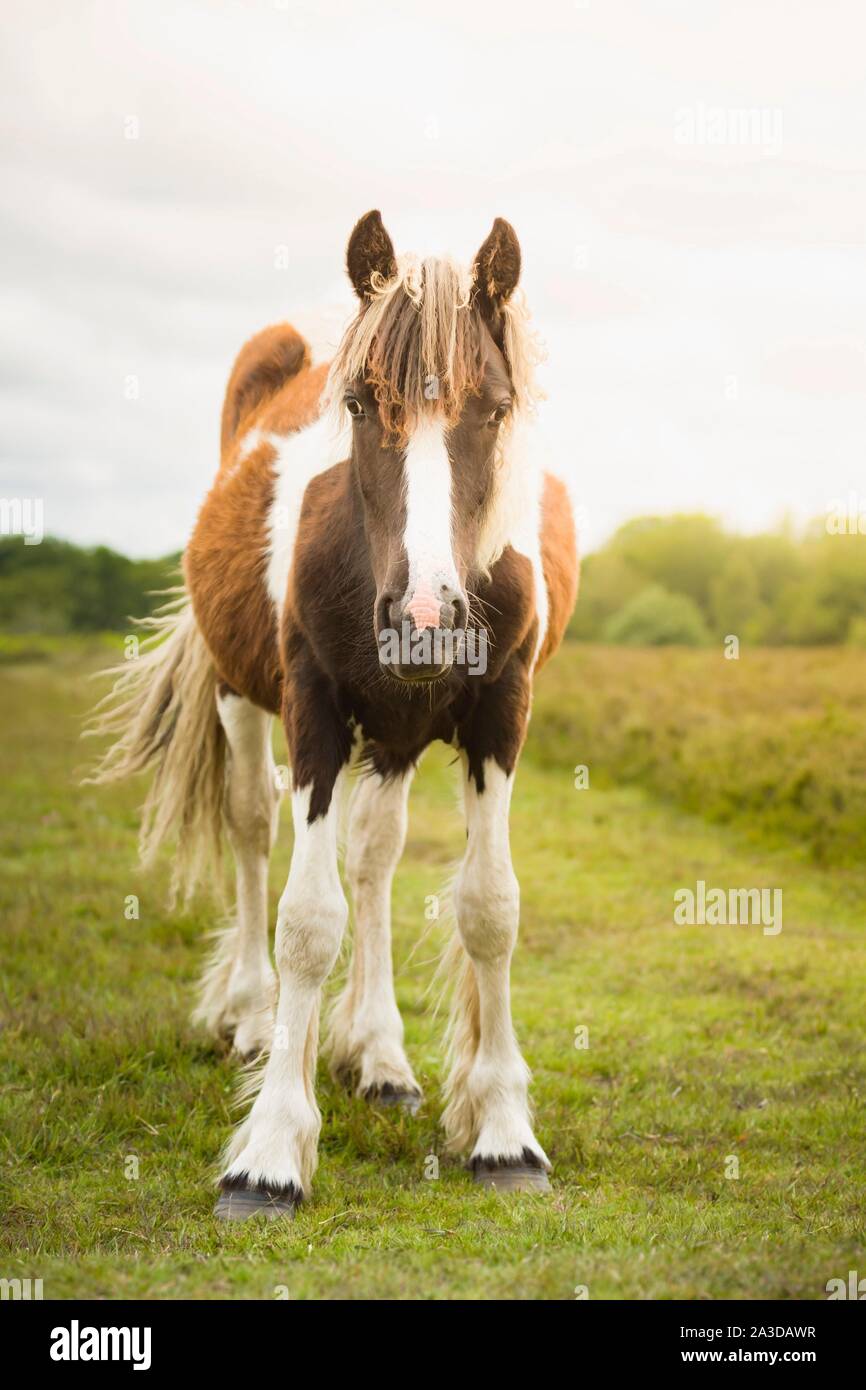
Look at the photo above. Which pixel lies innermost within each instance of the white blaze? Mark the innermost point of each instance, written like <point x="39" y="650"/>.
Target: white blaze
<point x="427" y="538"/>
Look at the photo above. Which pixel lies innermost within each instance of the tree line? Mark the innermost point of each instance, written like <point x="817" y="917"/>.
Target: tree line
<point x="57" y="587"/>
<point x="682" y="580"/>
<point x="687" y="580"/>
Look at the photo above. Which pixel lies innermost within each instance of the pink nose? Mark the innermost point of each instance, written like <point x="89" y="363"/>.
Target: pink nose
<point x="423" y="607"/>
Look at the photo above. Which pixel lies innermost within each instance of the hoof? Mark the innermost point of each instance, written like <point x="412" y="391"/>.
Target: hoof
<point x="523" y="1174"/>
<point x="239" y="1200"/>
<point x="388" y="1096"/>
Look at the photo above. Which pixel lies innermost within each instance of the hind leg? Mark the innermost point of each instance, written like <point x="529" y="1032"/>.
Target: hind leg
<point x="366" y="1031"/>
<point x="239" y="987"/>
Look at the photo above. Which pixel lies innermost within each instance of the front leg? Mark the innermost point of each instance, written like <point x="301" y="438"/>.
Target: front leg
<point x="366" y="1030"/>
<point x="488" y="1107"/>
<point x="272" y="1157"/>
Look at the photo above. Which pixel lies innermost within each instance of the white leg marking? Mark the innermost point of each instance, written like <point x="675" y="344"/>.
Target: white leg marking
<point x="277" y="1142"/>
<point x="488" y="1105"/>
<point x="239" y="987"/>
<point x="366" y="1031"/>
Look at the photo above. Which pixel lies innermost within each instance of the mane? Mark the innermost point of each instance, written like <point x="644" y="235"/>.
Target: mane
<point x="418" y="341"/>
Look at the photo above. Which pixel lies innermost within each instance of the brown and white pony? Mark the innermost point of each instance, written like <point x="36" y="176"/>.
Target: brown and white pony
<point x="434" y="517"/>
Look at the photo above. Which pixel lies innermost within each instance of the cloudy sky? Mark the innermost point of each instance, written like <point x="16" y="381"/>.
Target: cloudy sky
<point x="687" y="177"/>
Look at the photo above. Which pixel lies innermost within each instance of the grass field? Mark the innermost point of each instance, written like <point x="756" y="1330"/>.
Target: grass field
<point x="706" y="1044"/>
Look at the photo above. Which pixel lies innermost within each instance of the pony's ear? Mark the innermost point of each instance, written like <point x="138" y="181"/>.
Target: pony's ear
<point x="497" y="266"/>
<point x="370" y="252"/>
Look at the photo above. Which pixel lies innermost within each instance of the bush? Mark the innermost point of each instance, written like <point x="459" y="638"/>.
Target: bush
<point x="56" y="587"/>
<point x="657" y="618"/>
<point x="774" y="743"/>
<point x="775" y="589"/>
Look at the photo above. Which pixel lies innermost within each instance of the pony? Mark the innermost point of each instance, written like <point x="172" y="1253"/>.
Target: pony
<point x="382" y="562"/>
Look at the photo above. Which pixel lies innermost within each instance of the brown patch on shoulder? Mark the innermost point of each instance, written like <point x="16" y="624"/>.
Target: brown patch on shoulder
<point x="559" y="561"/>
<point x="226" y="559"/>
<point x="508" y="611"/>
<point x="328" y="529"/>
<point x="224" y="565"/>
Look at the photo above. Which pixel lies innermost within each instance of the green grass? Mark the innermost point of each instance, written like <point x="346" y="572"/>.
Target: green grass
<point x="704" y="1043"/>
<point x="773" y="743"/>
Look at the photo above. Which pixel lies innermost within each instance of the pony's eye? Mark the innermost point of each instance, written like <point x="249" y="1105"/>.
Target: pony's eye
<point x="500" y="413"/>
<point x="354" y="407"/>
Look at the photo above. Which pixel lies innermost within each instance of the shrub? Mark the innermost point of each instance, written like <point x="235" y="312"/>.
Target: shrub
<point x="657" y="618"/>
<point x="774" y="743"/>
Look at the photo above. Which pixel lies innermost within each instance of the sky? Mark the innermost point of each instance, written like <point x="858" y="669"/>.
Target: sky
<point x="687" y="179"/>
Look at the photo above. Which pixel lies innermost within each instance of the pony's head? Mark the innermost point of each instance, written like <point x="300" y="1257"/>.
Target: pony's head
<point x="433" y="372"/>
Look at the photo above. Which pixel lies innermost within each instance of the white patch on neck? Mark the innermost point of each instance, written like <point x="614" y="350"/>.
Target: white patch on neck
<point x="514" y="517"/>
<point x="250" y="442"/>
<point x="427" y="538"/>
<point x="301" y="456"/>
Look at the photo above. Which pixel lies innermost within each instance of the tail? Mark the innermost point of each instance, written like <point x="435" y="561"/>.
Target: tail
<point x="213" y="985"/>
<point x="454" y="977"/>
<point x="262" y="366"/>
<point x="162" y="710"/>
<point x="462" y="1039"/>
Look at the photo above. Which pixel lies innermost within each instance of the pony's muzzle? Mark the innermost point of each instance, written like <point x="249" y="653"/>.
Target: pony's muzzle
<point x="416" y="633"/>
<point x="447" y="609"/>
